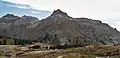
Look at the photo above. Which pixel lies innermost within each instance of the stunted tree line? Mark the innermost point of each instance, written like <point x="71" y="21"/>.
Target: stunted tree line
<point x="13" y="41"/>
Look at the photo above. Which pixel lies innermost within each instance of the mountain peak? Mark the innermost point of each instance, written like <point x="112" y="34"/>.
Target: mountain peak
<point x="58" y="12"/>
<point x="9" y="15"/>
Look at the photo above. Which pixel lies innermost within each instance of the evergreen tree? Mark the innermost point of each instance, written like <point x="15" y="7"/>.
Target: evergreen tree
<point x="4" y="41"/>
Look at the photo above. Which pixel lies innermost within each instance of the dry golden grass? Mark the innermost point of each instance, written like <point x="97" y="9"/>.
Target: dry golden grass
<point x="79" y="52"/>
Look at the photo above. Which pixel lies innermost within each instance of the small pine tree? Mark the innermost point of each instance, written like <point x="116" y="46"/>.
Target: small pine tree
<point x="0" y="43"/>
<point x="15" y="41"/>
<point x="4" y="41"/>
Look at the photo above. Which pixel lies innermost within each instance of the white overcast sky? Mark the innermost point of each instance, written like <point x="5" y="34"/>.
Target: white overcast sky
<point x="106" y="10"/>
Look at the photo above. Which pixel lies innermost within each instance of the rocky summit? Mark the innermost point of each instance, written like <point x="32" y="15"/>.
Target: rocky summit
<point x="59" y="29"/>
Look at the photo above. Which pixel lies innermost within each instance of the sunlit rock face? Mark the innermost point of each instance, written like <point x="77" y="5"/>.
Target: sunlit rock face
<point x="59" y="29"/>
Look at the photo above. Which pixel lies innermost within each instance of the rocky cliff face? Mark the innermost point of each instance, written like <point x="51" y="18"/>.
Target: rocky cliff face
<point x="15" y="26"/>
<point x="59" y="29"/>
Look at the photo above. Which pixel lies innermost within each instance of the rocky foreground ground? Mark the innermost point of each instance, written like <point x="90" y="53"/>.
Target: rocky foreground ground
<point x="106" y="51"/>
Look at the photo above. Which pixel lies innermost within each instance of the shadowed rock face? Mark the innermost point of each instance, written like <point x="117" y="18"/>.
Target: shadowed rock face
<point x="59" y="29"/>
